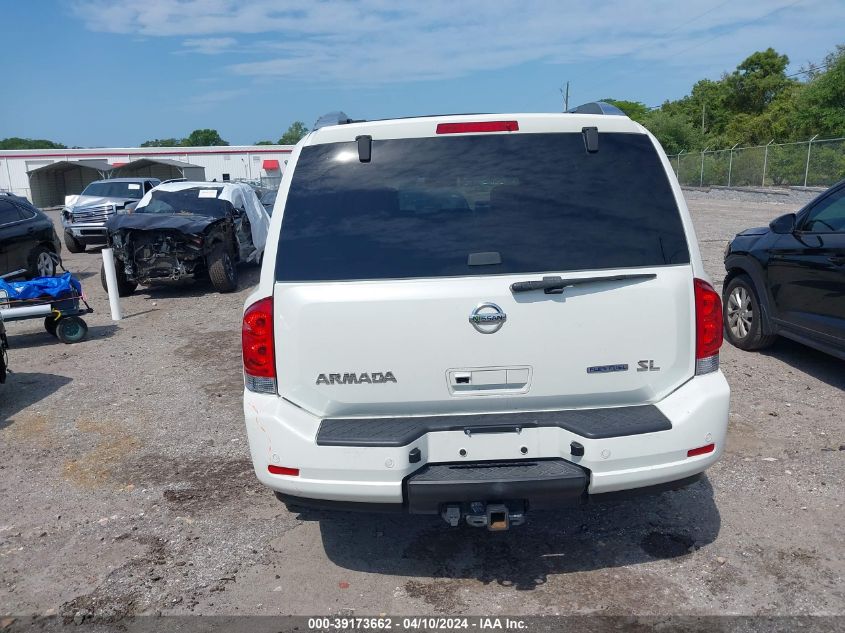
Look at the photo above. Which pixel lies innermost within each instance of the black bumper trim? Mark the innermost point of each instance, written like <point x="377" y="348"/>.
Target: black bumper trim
<point x="588" y="423"/>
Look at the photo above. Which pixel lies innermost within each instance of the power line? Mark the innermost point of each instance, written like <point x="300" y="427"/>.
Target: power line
<point x="658" y="37"/>
<point x="742" y="25"/>
<point x="662" y="35"/>
<point x="715" y="37"/>
<point x="810" y="70"/>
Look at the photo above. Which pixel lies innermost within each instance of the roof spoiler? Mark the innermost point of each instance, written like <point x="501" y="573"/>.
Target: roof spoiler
<point x="335" y="118"/>
<point x="596" y="107"/>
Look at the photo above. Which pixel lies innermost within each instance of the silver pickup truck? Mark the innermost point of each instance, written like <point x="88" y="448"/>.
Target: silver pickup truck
<point x="84" y="221"/>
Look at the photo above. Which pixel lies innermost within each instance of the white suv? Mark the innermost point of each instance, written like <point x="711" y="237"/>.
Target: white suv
<point x="475" y="316"/>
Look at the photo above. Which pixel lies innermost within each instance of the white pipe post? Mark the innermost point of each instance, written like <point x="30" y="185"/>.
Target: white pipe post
<point x="765" y="160"/>
<point x="111" y="283"/>
<point x="807" y="168"/>
<point x="701" y="179"/>
<point x="731" y="164"/>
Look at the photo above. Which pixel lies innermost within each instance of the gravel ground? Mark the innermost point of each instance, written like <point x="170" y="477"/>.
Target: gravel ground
<point x="126" y="488"/>
<point x="792" y="197"/>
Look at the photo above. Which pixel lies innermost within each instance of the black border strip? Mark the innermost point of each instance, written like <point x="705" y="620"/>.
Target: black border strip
<point x="401" y="431"/>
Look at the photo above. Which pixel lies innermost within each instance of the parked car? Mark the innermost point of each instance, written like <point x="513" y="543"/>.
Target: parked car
<point x="268" y="199"/>
<point x="188" y="228"/>
<point x="443" y="331"/>
<point x="788" y="279"/>
<point x="84" y="221"/>
<point x="28" y="240"/>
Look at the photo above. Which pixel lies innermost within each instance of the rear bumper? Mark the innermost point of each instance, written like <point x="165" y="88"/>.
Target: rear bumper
<point x="285" y="435"/>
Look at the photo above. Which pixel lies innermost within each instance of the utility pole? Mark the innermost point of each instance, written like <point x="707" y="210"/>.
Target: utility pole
<point x="565" y="97"/>
<point x="703" y="106"/>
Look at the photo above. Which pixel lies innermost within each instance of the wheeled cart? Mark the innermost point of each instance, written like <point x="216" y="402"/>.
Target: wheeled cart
<point x="57" y="300"/>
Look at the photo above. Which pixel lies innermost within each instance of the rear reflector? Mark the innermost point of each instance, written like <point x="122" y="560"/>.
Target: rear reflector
<point x="477" y="126"/>
<point x="708" y="327"/>
<point x="283" y="470"/>
<point x="701" y="450"/>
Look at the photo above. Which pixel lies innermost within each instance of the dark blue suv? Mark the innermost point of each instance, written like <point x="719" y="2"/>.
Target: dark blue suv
<point x="788" y="279"/>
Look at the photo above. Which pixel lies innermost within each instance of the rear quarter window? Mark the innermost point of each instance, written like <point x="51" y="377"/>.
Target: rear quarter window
<point x="422" y="207"/>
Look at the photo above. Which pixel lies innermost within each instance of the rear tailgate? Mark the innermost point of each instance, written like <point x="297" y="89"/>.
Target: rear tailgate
<point x="583" y="348"/>
<point x="381" y="264"/>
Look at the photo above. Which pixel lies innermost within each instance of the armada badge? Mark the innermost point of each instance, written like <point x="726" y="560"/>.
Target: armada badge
<point x="372" y="378"/>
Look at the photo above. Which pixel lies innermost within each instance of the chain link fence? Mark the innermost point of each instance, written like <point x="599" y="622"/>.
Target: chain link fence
<point x="811" y="163"/>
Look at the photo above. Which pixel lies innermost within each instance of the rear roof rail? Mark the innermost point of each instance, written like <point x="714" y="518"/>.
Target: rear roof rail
<point x="596" y="107"/>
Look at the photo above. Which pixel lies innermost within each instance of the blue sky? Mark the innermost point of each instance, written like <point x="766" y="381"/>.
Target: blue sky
<point x="118" y="72"/>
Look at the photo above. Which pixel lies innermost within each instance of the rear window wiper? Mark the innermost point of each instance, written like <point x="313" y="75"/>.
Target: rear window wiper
<point x="555" y="285"/>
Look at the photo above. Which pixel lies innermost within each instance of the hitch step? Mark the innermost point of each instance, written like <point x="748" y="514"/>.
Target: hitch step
<point x="541" y="484"/>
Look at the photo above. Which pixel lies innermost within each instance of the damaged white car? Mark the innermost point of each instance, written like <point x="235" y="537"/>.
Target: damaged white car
<point x="181" y="229"/>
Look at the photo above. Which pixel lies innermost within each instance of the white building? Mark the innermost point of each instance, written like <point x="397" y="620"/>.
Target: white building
<point x="46" y="176"/>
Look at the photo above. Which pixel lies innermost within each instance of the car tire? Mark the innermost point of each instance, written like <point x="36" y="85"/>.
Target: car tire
<point x="124" y="286"/>
<point x="73" y="245"/>
<point x="743" y="317"/>
<point x="222" y="271"/>
<point x="41" y="263"/>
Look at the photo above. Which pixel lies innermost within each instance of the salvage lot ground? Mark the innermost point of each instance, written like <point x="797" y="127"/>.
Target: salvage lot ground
<point x="126" y="488"/>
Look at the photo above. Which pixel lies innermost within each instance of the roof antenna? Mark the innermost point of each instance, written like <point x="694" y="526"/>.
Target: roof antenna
<point x="365" y="148"/>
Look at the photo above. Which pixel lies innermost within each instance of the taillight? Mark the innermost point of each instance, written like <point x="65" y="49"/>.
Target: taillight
<point x="257" y="341"/>
<point x="708" y="327"/>
<point x="477" y="126"/>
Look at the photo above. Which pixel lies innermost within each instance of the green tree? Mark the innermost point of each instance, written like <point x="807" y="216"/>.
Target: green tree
<point x="264" y="143"/>
<point x="163" y="142"/>
<point x="820" y="108"/>
<point x="15" y="142"/>
<point x="636" y="110"/>
<point x="674" y="131"/>
<point x="295" y="132"/>
<point x="203" y="138"/>
<point x="757" y="81"/>
<point x="704" y="107"/>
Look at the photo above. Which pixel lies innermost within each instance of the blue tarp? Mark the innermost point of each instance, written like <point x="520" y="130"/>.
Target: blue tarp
<point x="41" y="287"/>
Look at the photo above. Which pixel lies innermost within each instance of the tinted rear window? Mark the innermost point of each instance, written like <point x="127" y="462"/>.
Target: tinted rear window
<point x="428" y="207"/>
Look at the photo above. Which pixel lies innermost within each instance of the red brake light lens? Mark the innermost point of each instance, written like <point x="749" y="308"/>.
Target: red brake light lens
<point x="257" y="340"/>
<point x="708" y="320"/>
<point x="477" y="126"/>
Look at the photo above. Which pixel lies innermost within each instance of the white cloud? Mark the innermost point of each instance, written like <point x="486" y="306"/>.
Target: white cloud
<point x="216" y="96"/>
<point x="210" y="100"/>
<point x="209" y="45"/>
<point x="378" y="41"/>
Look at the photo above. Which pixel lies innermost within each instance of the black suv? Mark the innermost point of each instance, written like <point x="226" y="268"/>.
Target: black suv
<point x="789" y="279"/>
<point x="28" y="240"/>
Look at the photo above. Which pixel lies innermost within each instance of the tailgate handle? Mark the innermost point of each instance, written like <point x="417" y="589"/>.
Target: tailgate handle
<point x="492" y="429"/>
